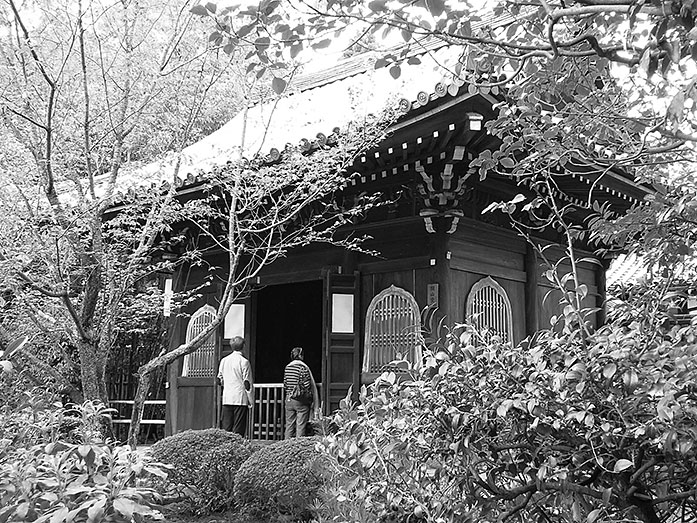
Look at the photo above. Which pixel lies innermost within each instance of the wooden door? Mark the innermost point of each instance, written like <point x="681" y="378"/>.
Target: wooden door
<point x="196" y="386"/>
<point x="341" y="362"/>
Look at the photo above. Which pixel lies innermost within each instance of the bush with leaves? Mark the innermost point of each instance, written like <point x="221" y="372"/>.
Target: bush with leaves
<point x="394" y="462"/>
<point x="204" y="463"/>
<point x="283" y="478"/>
<point x="185" y="451"/>
<point x="62" y="482"/>
<point x="216" y="479"/>
<point x="33" y="417"/>
<point x="564" y="427"/>
<point x="52" y="468"/>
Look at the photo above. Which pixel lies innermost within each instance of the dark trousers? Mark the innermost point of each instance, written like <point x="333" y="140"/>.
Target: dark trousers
<point x="234" y="419"/>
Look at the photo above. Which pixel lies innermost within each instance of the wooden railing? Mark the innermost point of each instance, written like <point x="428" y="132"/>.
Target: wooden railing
<point x="152" y="428"/>
<point x="143" y="421"/>
<point x="266" y="419"/>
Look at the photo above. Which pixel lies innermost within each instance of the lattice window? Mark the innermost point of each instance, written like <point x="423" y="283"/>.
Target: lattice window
<point x="489" y="310"/>
<point x="201" y="362"/>
<point x="392" y="330"/>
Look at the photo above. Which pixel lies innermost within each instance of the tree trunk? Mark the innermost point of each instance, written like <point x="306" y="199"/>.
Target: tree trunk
<point x="92" y="376"/>
<point x="144" y="382"/>
<point x="145" y="371"/>
<point x="90" y="373"/>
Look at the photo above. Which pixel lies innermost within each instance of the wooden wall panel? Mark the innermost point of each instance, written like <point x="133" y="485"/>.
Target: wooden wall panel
<point x="463" y="282"/>
<point x="403" y="279"/>
<point x="415" y="281"/>
<point x="302" y="265"/>
<point x="195" y="404"/>
<point x="479" y="248"/>
<point x="486" y="235"/>
<point x="422" y="277"/>
<point x="487" y="255"/>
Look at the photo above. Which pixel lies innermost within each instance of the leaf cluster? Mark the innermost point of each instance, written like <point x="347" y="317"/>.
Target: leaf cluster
<point x="662" y="230"/>
<point x="53" y="471"/>
<point x="561" y="427"/>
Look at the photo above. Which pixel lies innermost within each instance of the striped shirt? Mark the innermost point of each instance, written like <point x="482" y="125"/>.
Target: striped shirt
<point x="296" y="374"/>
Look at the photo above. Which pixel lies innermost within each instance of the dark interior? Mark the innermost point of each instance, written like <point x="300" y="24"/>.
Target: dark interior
<point x="288" y="316"/>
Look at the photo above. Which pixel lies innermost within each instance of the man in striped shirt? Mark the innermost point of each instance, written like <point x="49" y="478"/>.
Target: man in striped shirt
<point x="300" y="392"/>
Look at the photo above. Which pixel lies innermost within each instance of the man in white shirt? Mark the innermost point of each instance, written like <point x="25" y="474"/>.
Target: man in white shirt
<point x="235" y="375"/>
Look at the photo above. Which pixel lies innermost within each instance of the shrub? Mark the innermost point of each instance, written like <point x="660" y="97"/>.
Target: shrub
<point x="322" y="426"/>
<point x="64" y="482"/>
<point x="204" y="462"/>
<point x="35" y="417"/>
<point x="217" y="472"/>
<point x="590" y="428"/>
<point x="284" y="477"/>
<point x="54" y="467"/>
<point x="185" y="452"/>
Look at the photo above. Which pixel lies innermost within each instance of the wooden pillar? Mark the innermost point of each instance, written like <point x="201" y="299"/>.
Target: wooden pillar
<point x="172" y="399"/>
<point x="532" y="301"/>
<point x="440" y="274"/>
<point x="601" y="284"/>
<point x="350" y="262"/>
<point x="173" y="335"/>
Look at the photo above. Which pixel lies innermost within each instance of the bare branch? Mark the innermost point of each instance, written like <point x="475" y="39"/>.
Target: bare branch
<point x="86" y="119"/>
<point x="27" y="118"/>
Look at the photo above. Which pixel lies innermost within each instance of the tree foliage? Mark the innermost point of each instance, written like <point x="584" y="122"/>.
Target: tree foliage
<point x="505" y="44"/>
<point x="87" y="91"/>
<point x="663" y="228"/>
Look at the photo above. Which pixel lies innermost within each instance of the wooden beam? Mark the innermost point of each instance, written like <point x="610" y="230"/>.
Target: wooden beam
<point x="416" y="262"/>
<point x="291" y="277"/>
<point x="462" y="264"/>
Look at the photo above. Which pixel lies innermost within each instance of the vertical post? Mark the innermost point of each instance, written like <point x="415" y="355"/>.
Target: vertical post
<point x="601" y="283"/>
<point x="358" y="336"/>
<point x="326" y="326"/>
<point x="173" y="335"/>
<point x="532" y="308"/>
<point x="440" y="272"/>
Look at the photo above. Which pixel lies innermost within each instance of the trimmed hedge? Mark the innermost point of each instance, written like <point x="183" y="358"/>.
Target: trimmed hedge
<point x="206" y="462"/>
<point x="218" y="470"/>
<point x="283" y="477"/>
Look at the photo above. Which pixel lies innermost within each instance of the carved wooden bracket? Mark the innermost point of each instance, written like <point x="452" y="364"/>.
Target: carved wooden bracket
<point x="441" y="195"/>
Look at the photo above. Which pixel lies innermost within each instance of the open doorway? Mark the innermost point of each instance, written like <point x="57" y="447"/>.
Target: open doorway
<point x="287" y="316"/>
